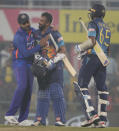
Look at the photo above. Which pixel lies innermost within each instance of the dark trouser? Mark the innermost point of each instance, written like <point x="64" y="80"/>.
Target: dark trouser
<point x="53" y="92"/>
<point x="22" y="94"/>
<point x="92" y="67"/>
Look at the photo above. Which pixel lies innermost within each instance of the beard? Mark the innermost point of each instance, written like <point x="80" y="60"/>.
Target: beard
<point x="41" y="27"/>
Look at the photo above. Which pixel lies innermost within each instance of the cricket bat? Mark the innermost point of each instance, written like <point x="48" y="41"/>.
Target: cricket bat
<point x="101" y="55"/>
<point x="67" y="63"/>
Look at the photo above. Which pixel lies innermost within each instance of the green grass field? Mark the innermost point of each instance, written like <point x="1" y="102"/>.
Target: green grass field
<point x="53" y="128"/>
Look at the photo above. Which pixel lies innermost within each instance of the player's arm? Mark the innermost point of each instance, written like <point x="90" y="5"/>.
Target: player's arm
<point x="61" y="47"/>
<point x="89" y="44"/>
<point x="58" y="39"/>
<point x="21" y="46"/>
<point x="92" y="32"/>
<point x="93" y="40"/>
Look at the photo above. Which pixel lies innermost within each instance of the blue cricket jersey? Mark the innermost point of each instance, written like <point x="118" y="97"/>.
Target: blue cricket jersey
<point x="49" y="51"/>
<point x="101" y="32"/>
<point x="23" y="44"/>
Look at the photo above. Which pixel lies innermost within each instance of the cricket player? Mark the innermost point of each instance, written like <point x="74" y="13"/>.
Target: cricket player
<point x="23" y="55"/>
<point x="91" y="66"/>
<point x="51" y="87"/>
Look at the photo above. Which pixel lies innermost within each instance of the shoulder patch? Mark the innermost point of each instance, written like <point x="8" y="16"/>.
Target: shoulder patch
<point x="91" y="29"/>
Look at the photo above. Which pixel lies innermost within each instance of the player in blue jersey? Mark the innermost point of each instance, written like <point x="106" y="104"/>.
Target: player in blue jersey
<point x="92" y="67"/>
<point x="23" y="55"/>
<point x="52" y="87"/>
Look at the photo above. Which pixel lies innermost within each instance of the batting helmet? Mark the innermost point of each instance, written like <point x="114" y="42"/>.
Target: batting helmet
<point x="97" y="10"/>
<point x="23" y="18"/>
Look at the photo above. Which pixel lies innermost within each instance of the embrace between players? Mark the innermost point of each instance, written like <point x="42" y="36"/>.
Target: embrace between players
<point x="35" y="53"/>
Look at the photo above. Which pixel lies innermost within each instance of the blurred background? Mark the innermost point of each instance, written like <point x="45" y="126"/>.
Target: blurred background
<point x="66" y="14"/>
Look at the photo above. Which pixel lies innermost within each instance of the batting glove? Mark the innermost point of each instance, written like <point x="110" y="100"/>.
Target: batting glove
<point x="58" y="57"/>
<point x="77" y="49"/>
<point x="81" y="54"/>
<point x="50" y="64"/>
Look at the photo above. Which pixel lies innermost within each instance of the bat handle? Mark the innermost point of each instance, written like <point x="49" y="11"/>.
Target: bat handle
<point x="83" y="24"/>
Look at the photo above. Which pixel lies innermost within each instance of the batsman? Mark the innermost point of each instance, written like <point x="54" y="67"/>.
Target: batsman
<point x="50" y="77"/>
<point x="98" y="32"/>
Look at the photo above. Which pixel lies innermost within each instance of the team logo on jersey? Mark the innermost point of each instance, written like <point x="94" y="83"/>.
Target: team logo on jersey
<point x="49" y="51"/>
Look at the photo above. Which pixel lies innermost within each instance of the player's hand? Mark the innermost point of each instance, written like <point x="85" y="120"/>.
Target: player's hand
<point x="81" y="54"/>
<point x="50" y="64"/>
<point x="44" y="41"/>
<point x="78" y="52"/>
<point x="58" y="57"/>
<point x="77" y="49"/>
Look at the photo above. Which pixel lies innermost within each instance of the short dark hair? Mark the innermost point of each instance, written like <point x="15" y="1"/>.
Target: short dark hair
<point x="48" y="16"/>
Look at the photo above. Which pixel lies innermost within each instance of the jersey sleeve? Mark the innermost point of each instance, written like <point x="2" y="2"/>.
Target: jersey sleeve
<point x="19" y="44"/>
<point x="58" y="38"/>
<point x="91" y="29"/>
